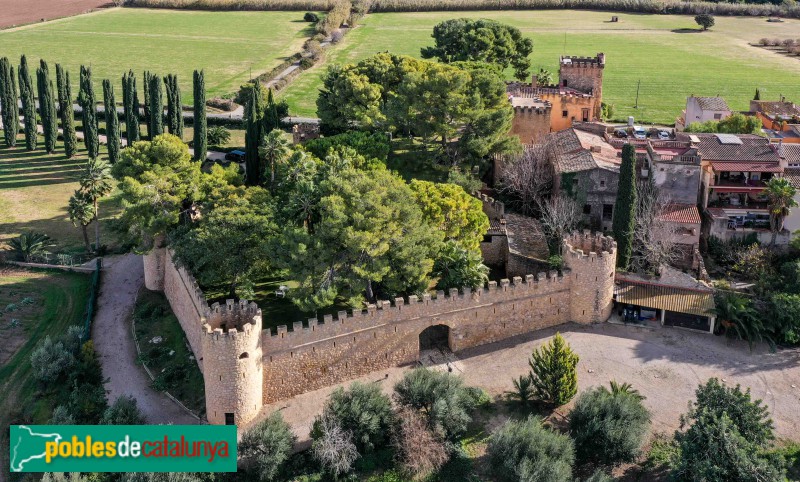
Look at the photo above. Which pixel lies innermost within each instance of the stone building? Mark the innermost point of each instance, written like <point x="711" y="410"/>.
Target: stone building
<point x="578" y="97"/>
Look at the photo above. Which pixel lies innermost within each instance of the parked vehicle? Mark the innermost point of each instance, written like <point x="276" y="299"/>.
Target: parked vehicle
<point x="639" y="132"/>
<point x="235" y="156"/>
<point x="664" y="135"/>
<point x="620" y="133"/>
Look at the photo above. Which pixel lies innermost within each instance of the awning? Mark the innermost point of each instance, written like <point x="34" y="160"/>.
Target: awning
<point x="722" y="166"/>
<point x="681" y="300"/>
<point x="737" y="189"/>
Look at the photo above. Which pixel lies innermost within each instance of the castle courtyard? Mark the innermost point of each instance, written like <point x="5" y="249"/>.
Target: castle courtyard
<point x="666" y="365"/>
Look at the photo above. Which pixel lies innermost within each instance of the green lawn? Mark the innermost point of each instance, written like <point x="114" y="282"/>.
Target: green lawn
<point x="35" y="188"/>
<point x="45" y="303"/>
<point x="228" y="45"/>
<point x="671" y="58"/>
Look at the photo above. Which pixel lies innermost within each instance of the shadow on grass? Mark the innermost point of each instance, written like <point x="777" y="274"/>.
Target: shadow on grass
<point x="687" y="30"/>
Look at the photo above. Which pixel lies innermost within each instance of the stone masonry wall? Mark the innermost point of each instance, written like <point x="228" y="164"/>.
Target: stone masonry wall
<point x="592" y="260"/>
<point x="316" y="355"/>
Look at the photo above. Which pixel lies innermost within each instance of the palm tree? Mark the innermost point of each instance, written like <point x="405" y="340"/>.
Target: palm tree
<point x="738" y="316"/>
<point x="523" y="390"/>
<point x="274" y="150"/>
<point x="780" y="198"/>
<point x="81" y="213"/>
<point x="625" y="388"/>
<point x="30" y="244"/>
<point x="95" y="182"/>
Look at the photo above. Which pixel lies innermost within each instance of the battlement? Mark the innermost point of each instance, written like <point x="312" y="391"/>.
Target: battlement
<point x="536" y="110"/>
<point x="585" y="244"/>
<point x="401" y="309"/>
<point x="599" y="61"/>
<point x="232" y="317"/>
<point x="493" y="208"/>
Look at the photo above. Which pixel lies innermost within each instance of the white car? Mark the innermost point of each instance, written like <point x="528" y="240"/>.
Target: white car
<point x="664" y="135"/>
<point x="639" y="132"/>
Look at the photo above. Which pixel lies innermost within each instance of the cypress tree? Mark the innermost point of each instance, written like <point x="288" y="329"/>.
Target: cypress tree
<point x="174" y="110"/>
<point x="271" y="118"/>
<point x="200" y="122"/>
<point x="8" y="102"/>
<point x="252" y="136"/>
<point x="28" y="104"/>
<point x="67" y="112"/>
<point x="47" y="107"/>
<point x="758" y="95"/>
<point x="146" y="89"/>
<point x="89" y="106"/>
<point x="625" y="208"/>
<point x="131" y="106"/>
<point x="136" y="107"/>
<point x="112" y="122"/>
<point x="156" y="107"/>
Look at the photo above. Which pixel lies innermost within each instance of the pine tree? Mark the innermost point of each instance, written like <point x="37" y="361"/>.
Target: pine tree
<point x="625" y="208"/>
<point x="146" y="90"/>
<point x="88" y="103"/>
<point x="47" y="107"/>
<point x="67" y="112"/>
<point x="200" y="122"/>
<point x="131" y="105"/>
<point x="553" y="372"/>
<point x="156" y="107"/>
<point x="112" y="122"/>
<point x="8" y="102"/>
<point x="28" y="104"/>
<point x="758" y="94"/>
<point x="272" y="120"/>
<point x="252" y="136"/>
<point x="174" y="110"/>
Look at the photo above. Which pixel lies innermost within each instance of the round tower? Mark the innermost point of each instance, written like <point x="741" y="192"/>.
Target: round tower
<point x="591" y="259"/>
<point x="232" y="366"/>
<point x="154" y="265"/>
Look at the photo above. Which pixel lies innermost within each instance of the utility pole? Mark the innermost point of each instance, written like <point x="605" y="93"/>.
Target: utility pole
<point x="638" y="84"/>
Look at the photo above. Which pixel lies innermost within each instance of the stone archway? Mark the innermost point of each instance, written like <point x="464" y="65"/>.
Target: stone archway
<point x="436" y="337"/>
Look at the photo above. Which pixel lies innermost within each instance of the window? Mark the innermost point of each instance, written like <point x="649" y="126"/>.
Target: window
<point x="564" y="113"/>
<point x="608" y="212"/>
<point x="585" y="115"/>
<point x="587" y="209"/>
<point x="717" y="116"/>
<point x="602" y="183"/>
<point x="230" y="419"/>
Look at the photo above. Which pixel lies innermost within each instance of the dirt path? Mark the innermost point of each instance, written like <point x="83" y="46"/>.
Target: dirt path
<point x="122" y="277"/>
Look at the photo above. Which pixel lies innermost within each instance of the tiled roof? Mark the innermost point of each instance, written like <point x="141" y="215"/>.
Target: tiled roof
<point x="751" y="148"/>
<point x="570" y="155"/>
<point x="603" y="153"/>
<point x="723" y="166"/>
<point x="681" y="213"/>
<point x="793" y="175"/>
<point x="712" y="103"/>
<point x="783" y="109"/>
<point x="791" y="152"/>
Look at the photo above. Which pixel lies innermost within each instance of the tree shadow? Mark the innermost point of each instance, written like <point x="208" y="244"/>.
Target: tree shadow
<point x="686" y="30"/>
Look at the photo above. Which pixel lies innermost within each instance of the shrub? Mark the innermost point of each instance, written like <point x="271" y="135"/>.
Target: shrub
<point x="123" y="411"/>
<point x="553" y="372"/>
<point x="363" y="411"/>
<point x="527" y="451"/>
<point x="30" y="244"/>
<point x="50" y="359"/>
<point x="61" y="416"/>
<point x="332" y="446"/>
<point x="306" y="63"/>
<point x="705" y="20"/>
<point x="337" y="36"/>
<point x="218" y="136"/>
<point x="266" y="447"/>
<point x="609" y="427"/>
<point x="763" y="41"/>
<point x="311" y="17"/>
<point x="371" y="146"/>
<point x="440" y="397"/>
<point x="420" y="452"/>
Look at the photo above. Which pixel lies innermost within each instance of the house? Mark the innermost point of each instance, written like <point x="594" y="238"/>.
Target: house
<point x="781" y="120"/>
<point x="702" y="109"/>
<point x="578" y="97"/>
<point x="790" y="154"/>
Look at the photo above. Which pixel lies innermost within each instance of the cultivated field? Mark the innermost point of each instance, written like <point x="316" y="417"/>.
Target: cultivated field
<point x="16" y="12"/>
<point x="228" y="45"/>
<point x="671" y="58"/>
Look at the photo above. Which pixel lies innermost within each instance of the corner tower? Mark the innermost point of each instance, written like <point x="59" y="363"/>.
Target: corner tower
<point x="592" y="260"/>
<point x="584" y="74"/>
<point x="232" y="365"/>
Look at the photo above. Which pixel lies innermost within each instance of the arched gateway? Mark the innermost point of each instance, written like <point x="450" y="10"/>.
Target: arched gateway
<point x="436" y="337"/>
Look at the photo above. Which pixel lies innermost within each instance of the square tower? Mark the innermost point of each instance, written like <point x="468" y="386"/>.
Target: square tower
<point x="584" y="74"/>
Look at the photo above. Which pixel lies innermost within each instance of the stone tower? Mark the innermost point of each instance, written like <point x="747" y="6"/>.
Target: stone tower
<point x="232" y="365"/>
<point x="591" y="259"/>
<point x="584" y="74"/>
<point x="531" y="122"/>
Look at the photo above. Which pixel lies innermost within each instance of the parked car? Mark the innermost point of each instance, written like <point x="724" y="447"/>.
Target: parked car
<point x="639" y="132"/>
<point x="235" y="156"/>
<point x="664" y="135"/>
<point x="620" y="133"/>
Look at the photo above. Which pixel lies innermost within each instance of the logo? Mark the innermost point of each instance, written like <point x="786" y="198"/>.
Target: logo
<point x="122" y="448"/>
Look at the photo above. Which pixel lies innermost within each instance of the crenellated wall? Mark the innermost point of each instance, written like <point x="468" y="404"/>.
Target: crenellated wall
<point x="245" y="367"/>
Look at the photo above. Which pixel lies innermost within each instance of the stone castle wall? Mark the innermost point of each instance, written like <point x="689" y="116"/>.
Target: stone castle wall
<point x="531" y="124"/>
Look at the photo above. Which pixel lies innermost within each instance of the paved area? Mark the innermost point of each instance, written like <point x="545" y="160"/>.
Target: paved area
<point x="121" y="279"/>
<point x="665" y="364"/>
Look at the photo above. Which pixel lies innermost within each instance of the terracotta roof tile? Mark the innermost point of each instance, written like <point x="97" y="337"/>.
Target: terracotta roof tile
<point x="751" y="148"/>
<point x="793" y="175"/>
<point x="681" y="213"/>
<point x="712" y="103"/>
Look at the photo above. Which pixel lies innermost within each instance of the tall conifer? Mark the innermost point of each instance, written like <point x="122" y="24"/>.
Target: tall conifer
<point x="112" y="122"/>
<point x="28" y="104"/>
<point x="89" y="106"/>
<point x="624" y="220"/>
<point x="200" y="122"/>
<point x="8" y="102"/>
<point x="174" y="110"/>
<point x="67" y="112"/>
<point x="271" y="118"/>
<point x="129" y="100"/>
<point x="253" y="135"/>
<point x="47" y="107"/>
<point x="146" y="89"/>
<point x="156" y="107"/>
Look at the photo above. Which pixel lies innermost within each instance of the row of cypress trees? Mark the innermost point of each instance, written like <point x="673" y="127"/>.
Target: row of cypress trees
<point x="55" y="105"/>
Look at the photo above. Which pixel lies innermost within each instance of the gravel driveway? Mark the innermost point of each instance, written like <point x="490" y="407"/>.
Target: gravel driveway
<point x="122" y="277"/>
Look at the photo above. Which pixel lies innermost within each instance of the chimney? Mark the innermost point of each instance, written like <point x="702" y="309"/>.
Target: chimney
<point x="595" y="149"/>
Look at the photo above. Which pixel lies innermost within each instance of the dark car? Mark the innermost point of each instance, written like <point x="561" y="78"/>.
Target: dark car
<point x="235" y="156"/>
<point x="620" y="133"/>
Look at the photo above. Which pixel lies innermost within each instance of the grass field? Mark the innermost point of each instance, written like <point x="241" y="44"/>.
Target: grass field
<point x="46" y="303"/>
<point x="35" y="188"/>
<point x="671" y="58"/>
<point x="228" y="45"/>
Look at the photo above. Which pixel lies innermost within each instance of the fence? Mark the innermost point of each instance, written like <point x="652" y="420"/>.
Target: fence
<point x="90" y="303"/>
<point x="60" y="259"/>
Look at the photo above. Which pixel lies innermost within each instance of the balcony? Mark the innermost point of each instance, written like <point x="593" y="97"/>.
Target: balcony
<point x="737" y="201"/>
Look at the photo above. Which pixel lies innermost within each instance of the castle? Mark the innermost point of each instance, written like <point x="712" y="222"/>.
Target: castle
<point x="245" y="367"/>
<point x="578" y="97"/>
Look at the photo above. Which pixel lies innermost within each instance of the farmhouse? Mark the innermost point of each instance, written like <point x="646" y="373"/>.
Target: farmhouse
<point x="702" y="109"/>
